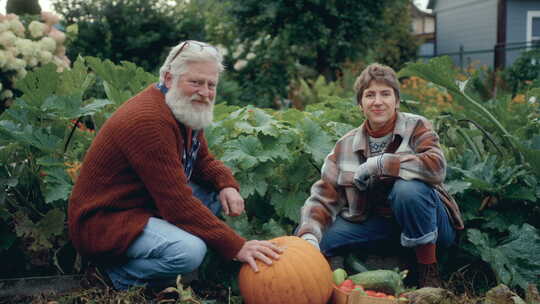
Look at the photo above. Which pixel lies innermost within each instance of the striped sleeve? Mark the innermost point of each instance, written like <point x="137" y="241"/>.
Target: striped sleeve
<point x="323" y="204"/>
<point x="426" y="163"/>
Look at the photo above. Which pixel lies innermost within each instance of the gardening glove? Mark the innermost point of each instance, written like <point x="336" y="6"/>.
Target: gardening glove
<point x="368" y="172"/>
<point x="311" y="239"/>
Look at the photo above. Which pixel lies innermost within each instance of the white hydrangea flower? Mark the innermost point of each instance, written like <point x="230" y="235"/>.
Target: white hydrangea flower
<point x="21" y="73"/>
<point x="50" y="18"/>
<point x="7" y="38"/>
<point x="57" y="60"/>
<point x="6" y="94"/>
<point x="4" y="26"/>
<point x="45" y="57"/>
<point x="48" y="44"/>
<point x="240" y="64"/>
<point x="12" y="51"/>
<point x="60" y="51"/>
<point x="25" y="47"/>
<point x="17" y="27"/>
<point x="239" y="50"/>
<point x="57" y="35"/>
<point x="32" y="61"/>
<point x="250" y="56"/>
<point x="37" y="29"/>
<point x="223" y="50"/>
<point x="3" y="58"/>
<point x="17" y="64"/>
<point x="257" y="42"/>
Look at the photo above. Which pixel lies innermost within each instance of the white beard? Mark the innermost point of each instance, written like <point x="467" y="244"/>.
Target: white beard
<point x="195" y="117"/>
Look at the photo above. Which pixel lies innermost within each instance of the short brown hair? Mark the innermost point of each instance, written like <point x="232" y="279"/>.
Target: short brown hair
<point x="379" y="73"/>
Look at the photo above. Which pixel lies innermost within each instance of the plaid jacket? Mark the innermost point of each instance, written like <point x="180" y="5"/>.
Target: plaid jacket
<point x="413" y="153"/>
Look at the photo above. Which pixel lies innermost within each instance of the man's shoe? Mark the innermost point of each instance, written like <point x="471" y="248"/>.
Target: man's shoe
<point x="428" y="275"/>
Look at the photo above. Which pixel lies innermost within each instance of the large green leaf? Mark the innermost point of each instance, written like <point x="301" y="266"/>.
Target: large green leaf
<point x="514" y="261"/>
<point x="120" y="81"/>
<point x="439" y="70"/>
<point x="288" y="204"/>
<point x="245" y="151"/>
<point x="39" y="84"/>
<point x="316" y="141"/>
<point x="7" y="237"/>
<point x="71" y="107"/>
<point x="442" y="72"/>
<point x="457" y="186"/>
<point x="75" y="80"/>
<point x="532" y="153"/>
<point x="36" y="137"/>
<point x="255" y="121"/>
<point x="57" y="184"/>
<point x="40" y="233"/>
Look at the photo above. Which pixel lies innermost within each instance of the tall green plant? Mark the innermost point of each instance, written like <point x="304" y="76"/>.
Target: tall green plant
<point x="42" y="143"/>
<point x="37" y="151"/>
<point x="493" y="153"/>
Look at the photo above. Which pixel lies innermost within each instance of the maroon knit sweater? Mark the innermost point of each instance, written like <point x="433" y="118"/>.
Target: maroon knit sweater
<point x="132" y="171"/>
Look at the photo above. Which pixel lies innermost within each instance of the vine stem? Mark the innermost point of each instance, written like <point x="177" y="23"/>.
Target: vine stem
<point x="71" y="133"/>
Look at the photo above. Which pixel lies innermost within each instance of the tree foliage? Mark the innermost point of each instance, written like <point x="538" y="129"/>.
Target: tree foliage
<point x="139" y="31"/>
<point x="307" y="37"/>
<point x="321" y="34"/>
<point x="23" y="7"/>
<point x="396" y="44"/>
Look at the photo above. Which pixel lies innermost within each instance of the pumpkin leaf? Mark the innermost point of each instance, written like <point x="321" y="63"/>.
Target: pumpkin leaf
<point x="515" y="260"/>
<point x="316" y="141"/>
<point x="288" y="204"/>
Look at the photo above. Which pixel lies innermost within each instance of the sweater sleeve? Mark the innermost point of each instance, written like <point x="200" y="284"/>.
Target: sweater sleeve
<point x="211" y="170"/>
<point x="150" y="147"/>
<point x="426" y="162"/>
<point x="323" y="204"/>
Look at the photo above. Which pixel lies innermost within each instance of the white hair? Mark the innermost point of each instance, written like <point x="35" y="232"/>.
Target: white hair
<point x="192" y="51"/>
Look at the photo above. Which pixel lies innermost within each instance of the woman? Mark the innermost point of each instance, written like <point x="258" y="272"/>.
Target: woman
<point x="381" y="178"/>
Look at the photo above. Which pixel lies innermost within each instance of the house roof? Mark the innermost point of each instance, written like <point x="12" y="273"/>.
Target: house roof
<point x="415" y="11"/>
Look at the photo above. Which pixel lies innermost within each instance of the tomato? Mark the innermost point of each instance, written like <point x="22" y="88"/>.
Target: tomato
<point x="380" y="295"/>
<point x="370" y="293"/>
<point x="347" y="283"/>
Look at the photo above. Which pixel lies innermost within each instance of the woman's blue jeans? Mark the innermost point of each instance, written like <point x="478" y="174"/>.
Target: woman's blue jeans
<point x="163" y="251"/>
<point x="419" y="218"/>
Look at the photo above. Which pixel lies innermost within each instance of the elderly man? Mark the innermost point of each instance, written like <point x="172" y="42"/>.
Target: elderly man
<point x="145" y="203"/>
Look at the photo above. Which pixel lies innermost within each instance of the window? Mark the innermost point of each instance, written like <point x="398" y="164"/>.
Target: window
<point x="533" y="26"/>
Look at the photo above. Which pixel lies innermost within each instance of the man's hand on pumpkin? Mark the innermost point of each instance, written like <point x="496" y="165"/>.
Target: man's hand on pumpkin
<point x="260" y="250"/>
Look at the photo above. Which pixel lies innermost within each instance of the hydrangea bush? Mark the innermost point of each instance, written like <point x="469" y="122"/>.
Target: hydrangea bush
<point x="26" y="44"/>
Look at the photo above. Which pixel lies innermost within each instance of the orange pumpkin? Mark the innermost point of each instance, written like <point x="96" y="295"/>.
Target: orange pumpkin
<point x="301" y="275"/>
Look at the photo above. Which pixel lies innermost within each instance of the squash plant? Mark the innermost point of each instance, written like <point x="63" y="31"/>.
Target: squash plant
<point x="42" y="142"/>
<point x="493" y="151"/>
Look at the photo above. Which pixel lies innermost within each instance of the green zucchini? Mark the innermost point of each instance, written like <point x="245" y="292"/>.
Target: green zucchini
<point x="387" y="281"/>
<point x="353" y="263"/>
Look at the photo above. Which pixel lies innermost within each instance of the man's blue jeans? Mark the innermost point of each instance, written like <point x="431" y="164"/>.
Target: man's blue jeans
<point x="419" y="218"/>
<point x="163" y="251"/>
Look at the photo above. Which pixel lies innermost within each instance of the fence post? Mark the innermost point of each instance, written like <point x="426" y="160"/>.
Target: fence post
<point x="461" y="51"/>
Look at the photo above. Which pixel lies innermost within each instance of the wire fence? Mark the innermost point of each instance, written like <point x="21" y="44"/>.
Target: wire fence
<point x="499" y="49"/>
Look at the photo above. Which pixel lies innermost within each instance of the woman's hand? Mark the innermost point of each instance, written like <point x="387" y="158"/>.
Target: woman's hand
<point x="231" y="201"/>
<point x="261" y="250"/>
